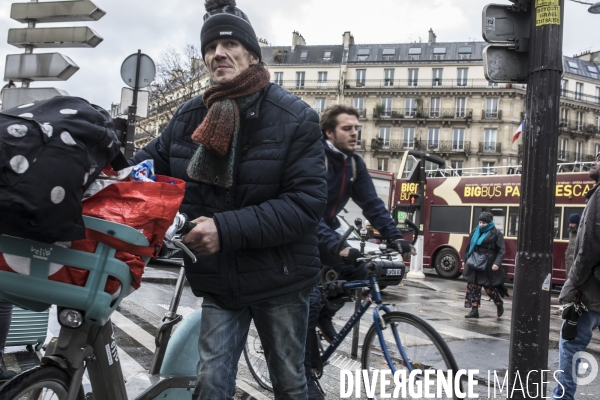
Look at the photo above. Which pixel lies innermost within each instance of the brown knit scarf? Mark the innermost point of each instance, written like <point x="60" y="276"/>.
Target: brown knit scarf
<point x="223" y="117"/>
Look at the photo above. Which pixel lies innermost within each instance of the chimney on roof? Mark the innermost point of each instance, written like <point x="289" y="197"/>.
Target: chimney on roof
<point x="348" y="40"/>
<point x="262" y="42"/>
<point x="297" y="40"/>
<point x="432" y="36"/>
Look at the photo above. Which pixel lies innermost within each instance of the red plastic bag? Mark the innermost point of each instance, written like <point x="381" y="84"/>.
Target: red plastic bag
<point x="149" y="207"/>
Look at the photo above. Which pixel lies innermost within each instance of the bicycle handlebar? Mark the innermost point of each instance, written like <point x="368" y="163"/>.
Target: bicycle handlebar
<point x="408" y="222"/>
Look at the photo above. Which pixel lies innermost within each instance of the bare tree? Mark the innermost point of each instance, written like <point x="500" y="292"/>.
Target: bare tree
<point x="178" y="79"/>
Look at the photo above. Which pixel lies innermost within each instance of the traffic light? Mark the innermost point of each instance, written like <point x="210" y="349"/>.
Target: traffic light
<point x="507" y="27"/>
<point x="415" y="200"/>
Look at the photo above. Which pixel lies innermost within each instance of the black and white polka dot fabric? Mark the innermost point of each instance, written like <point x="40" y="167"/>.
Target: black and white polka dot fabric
<point x="50" y="152"/>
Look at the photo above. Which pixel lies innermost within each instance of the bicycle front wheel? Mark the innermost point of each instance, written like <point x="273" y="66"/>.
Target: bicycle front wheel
<point x="423" y="347"/>
<point x="256" y="360"/>
<point x="39" y="383"/>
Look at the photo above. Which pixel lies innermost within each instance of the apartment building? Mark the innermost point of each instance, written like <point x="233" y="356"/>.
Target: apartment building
<point x="433" y="97"/>
<point x="429" y="96"/>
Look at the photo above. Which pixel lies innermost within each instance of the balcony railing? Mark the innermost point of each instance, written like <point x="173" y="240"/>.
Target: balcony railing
<point x="306" y="84"/>
<point x="434" y="146"/>
<point x="423" y="84"/>
<point x="396" y="113"/>
<point x="579" y="127"/>
<point x="573" y="156"/>
<point x="490" y="147"/>
<point x="491" y="114"/>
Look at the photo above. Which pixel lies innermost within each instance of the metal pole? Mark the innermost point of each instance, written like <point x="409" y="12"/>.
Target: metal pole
<point x="356" y="329"/>
<point x="416" y="262"/>
<point x="530" y="323"/>
<point x="29" y="49"/>
<point x="129" y="138"/>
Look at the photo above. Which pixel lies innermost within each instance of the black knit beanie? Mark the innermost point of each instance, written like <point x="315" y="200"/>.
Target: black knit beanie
<point x="486" y="217"/>
<point x="223" y="20"/>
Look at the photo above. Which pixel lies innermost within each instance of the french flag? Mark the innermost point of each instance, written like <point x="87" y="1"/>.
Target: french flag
<point x="518" y="132"/>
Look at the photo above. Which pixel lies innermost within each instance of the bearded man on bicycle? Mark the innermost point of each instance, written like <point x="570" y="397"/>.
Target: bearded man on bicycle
<point x="254" y="166"/>
<point x="347" y="177"/>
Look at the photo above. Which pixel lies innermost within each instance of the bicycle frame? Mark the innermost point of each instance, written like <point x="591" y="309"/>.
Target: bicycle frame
<point x="374" y="296"/>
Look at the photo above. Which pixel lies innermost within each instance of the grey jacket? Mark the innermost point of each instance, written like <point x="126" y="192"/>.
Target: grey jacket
<point x="570" y="253"/>
<point x="587" y="256"/>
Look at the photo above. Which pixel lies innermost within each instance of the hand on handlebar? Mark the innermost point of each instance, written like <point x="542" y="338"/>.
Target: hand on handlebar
<point x="350" y="255"/>
<point x="404" y="247"/>
<point x="204" y="238"/>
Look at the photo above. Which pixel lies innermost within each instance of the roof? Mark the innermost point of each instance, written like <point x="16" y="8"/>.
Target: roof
<point x="577" y="66"/>
<point x="314" y="54"/>
<point x="426" y="51"/>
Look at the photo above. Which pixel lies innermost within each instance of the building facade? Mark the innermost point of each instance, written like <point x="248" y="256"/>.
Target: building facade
<point x="433" y="97"/>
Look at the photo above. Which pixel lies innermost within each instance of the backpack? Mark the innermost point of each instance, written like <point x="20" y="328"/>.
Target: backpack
<point x="50" y="152"/>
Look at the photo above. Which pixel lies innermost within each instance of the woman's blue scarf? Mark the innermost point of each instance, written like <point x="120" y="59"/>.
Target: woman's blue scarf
<point x="478" y="237"/>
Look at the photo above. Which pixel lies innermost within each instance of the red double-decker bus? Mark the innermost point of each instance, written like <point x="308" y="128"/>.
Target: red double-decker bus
<point x="452" y="205"/>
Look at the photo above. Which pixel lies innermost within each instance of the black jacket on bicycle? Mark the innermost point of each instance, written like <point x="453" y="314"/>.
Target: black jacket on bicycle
<point x="267" y="220"/>
<point x="341" y="186"/>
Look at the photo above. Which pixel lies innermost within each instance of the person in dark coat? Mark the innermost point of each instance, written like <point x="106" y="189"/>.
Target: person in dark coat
<point x="485" y="239"/>
<point x="569" y="254"/>
<point x="251" y="156"/>
<point x="583" y="284"/>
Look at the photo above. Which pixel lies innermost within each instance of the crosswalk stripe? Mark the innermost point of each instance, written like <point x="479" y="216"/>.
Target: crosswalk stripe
<point x="250" y="390"/>
<point x="133" y="330"/>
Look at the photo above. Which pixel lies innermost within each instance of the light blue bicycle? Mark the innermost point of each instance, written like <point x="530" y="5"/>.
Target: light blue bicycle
<point x="86" y="339"/>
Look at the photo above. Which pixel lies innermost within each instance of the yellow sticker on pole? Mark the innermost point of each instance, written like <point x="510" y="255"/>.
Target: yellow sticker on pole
<point x="547" y="12"/>
<point x="544" y="3"/>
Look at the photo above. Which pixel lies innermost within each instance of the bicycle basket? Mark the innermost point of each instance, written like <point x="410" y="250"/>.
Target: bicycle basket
<point x="35" y="292"/>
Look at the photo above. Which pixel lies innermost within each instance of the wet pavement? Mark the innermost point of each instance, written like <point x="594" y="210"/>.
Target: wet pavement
<point x="481" y="344"/>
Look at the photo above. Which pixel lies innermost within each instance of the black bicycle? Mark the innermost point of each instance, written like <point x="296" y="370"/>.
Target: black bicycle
<point x="396" y="341"/>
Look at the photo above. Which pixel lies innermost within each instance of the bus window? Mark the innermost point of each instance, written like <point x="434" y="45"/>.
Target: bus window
<point x="556" y="224"/>
<point x="498" y="212"/>
<point x="513" y="222"/>
<point x="450" y="219"/>
<point x="569" y="211"/>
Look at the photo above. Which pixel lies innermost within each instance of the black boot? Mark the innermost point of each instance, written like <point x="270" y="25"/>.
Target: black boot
<point x="500" y="309"/>
<point x="473" y="314"/>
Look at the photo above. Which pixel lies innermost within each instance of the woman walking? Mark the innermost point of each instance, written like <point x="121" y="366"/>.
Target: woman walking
<point x="485" y="240"/>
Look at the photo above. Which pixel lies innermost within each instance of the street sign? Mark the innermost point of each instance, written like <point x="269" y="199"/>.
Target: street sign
<point x="143" y="101"/>
<point x="80" y="36"/>
<point x="56" y="11"/>
<point x="146" y="74"/>
<point x="39" y="67"/>
<point x="504" y="64"/>
<point x="17" y="96"/>
<point x="502" y="24"/>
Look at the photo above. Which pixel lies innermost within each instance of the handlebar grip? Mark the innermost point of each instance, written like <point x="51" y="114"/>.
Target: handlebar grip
<point x="415" y="228"/>
<point x="338" y="248"/>
<point x="187" y="227"/>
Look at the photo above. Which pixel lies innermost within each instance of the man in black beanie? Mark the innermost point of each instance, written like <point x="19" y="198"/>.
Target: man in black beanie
<point x="251" y="156"/>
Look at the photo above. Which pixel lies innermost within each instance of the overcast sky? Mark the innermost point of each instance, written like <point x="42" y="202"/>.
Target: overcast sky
<point x="152" y="26"/>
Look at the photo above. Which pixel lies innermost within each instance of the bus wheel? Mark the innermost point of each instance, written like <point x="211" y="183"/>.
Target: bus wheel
<point x="447" y="264"/>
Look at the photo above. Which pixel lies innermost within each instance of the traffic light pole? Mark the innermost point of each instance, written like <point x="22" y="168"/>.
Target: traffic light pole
<point x="530" y="323"/>
<point x="416" y="262"/>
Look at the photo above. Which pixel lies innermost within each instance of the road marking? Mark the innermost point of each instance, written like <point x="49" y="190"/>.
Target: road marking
<point x="181" y="310"/>
<point x="133" y="330"/>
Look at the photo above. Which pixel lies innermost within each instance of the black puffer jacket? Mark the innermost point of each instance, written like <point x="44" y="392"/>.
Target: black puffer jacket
<point x="493" y="246"/>
<point x="267" y="220"/>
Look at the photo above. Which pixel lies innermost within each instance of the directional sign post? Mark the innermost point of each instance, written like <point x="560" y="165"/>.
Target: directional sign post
<point x="39" y="67"/>
<point x="31" y="67"/>
<point x="138" y="71"/>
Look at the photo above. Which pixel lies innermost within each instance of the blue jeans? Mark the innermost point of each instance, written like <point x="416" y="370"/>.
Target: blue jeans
<point x="588" y="321"/>
<point x="281" y="324"/>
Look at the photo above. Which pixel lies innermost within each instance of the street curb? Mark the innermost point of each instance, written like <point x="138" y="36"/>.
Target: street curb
<point x="418" y="284"/>
<point x="161" y="280"/>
